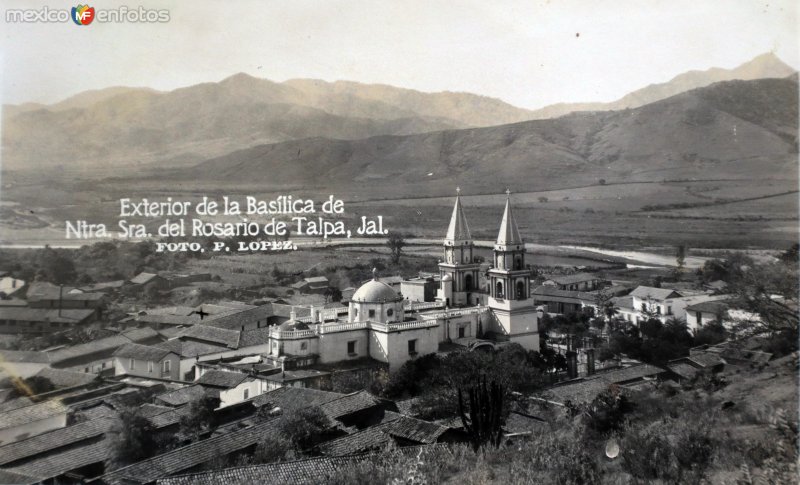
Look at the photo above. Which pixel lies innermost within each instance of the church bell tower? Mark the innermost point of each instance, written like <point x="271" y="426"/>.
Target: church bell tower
<point x="458" y="270"/>
<point x="510" y="285"/>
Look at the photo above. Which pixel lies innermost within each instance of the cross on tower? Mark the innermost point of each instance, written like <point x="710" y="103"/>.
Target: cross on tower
<point x="508" y="192"/>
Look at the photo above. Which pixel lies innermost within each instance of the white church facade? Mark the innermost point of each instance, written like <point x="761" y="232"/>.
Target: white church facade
<point x="380" y="324"/>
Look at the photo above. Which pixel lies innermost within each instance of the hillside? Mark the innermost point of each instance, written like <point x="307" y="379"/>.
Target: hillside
<point x="735" y="129"/>
<point x="124" y="126"/>
<point x="762" y="67"/>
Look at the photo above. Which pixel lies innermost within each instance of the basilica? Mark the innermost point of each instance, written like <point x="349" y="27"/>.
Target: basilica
<point x="381" y="324"/>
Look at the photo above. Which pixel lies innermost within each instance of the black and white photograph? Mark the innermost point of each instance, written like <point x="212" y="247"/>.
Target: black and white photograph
<point x="400" y="242"/>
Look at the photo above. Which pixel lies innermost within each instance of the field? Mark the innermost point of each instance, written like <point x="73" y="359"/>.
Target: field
<point x="734" y="214"/>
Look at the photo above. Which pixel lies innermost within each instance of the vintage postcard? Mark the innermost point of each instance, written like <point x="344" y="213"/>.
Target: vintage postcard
<point x="399" y="242"/>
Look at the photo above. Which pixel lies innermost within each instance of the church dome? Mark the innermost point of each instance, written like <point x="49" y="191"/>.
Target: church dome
<point x="375" y="291"/>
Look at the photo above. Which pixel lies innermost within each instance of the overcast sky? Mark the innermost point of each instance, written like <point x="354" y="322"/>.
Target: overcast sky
<point x="529" y="53"/>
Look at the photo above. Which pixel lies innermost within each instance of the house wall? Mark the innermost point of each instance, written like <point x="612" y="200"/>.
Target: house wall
<point x="236" y="394"/>
<point x="142" y="369"/>
<point x="187" y="363"/>
<point x="294" y="346"/>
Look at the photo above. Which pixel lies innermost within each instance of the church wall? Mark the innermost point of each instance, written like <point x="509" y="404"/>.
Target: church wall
<point x="333" y="346"/>
<point x="426" y="343"/>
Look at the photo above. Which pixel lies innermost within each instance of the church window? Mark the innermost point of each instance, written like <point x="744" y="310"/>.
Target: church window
<point x="390" y="312"/>
<point x="499" y="290"/>
<point x="518" y="263"/>
<point x="372" y="314"/>
<point x="412" y="347"/>
<point x="520" y="290"/>
<point x="461" y="332"/>
<point x="303" y="345"/>
<point x="468" y="282"/>
<point x="351" y="347"/>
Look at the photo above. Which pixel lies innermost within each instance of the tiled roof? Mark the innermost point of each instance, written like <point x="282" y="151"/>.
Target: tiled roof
<point x="45" y="314"/>
<point x="577" y="392"/>
<point x="191" y="348"/>
<point x="545" y="290"/>
<point x="630" y="373"/>
<point x="242" y="317"/>
<point x="645" y="292"/>
<point x="303" y="472"/>
<point x="54" y="464"/>
<point x="572" y="278"/>
<point x="29" y="414"/>
<point x="65" y="378"/>
<point x="47" y="291"/>
<point x="103" y="346"/>
<point x="15" y="403"/>
<point x="219" y="336"/>
<point x="141" y="352"/>
<point x="142" y="278"/>
<point x="683" y="369"/>
<point x="221" y="378"/>
<point x="705" y="359"/>
<point x="251" y="338"/>
<point x="7" y="477"/>
<point x="52" y="440"/>
<point x="182" y="396"/>
<point x="162" y="416"/>
<point x="27" y="356"/>
<point x="712" y="307"/>
<point x="189" y="456"/>
<point x="396" y="426"/>
<point x="293" y="398"/>
<point x="348" y="404"/>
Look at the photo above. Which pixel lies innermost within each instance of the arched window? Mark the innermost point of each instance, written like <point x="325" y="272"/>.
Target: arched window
<point x="499" y="290"/>
<point x="520" y="290"/>
<point x="468" y="282"/>
<point x="518" y="262"/>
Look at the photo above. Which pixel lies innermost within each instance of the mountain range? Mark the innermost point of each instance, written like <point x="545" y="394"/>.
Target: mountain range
<point x="731" y="129"/>
<point x="129" y="127"/>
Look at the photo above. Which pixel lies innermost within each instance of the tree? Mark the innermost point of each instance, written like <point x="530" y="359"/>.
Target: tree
<point x="680" y="256"/>
<point x="32" y="386"/>
<point x="333" y="293"/>
<point x="484" y="423"/>
<point x="396" y="243"/>
<point x="304" y="428"/>
<point x="133" y="438"/>
<point x="201" y="418"/>
<point x="605" y="305"/>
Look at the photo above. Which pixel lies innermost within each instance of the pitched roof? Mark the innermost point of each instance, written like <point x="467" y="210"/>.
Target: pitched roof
<point x="142" y="352"/>
<point x="67" y="315"/>
<point x="548" y="290"/>
<point x="220" y="336"/>
<point x="237" y="319"/>
<point x="251" y="338"/>
<point x="52" y="440"/>
<point x="458" y="230"/>
<point x="32" y="413"/>
<point x="348" y="404"/>
<point x="509" y="232"/>
<point x="182" y="396"/>
<point x="630" y="373"/>
<point x="393" y="426"/>
<point x="143" y="278"/>
<point x="221" y="378"/>
<point x="51" y="465"/>
<point x="577" y="392"/>
<point x="47" y="291"/>
<point x="103" y="345"/>
<point x="191" y="348"/>
<point x="705" y="359"/>
<point x="294" y="398"/>
<point x="11" y="478"/>
<point x="26" y="356"/>
<point x="189" y="456"/>
<point x="308" y="471"/>
<point x="573" y="278"/>
<point x="684" y="370"/>
<point x="708" y="307"/>
<point x="645" y="292"/>
<point x="65" y="378"/>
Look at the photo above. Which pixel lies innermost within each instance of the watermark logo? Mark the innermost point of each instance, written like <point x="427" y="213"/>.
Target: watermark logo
<point x="83" y="14"/>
